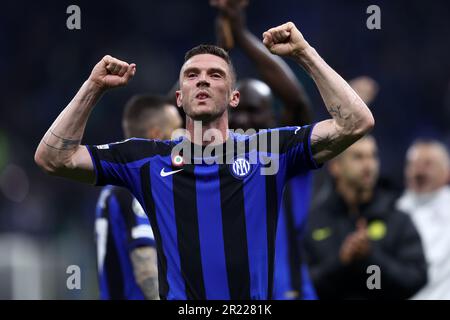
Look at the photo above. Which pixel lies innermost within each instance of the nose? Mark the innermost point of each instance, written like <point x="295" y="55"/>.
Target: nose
<point x="202" y="81"/>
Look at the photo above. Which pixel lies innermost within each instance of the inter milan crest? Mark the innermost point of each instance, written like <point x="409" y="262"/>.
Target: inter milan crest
<point x="240" y="168"/>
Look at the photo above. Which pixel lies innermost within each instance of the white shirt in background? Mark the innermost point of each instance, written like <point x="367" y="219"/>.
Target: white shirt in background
<point x="431" y="216"/>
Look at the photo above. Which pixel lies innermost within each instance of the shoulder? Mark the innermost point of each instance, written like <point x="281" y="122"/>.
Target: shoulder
<point x="445" y="193"/>
<point x="138" y="145"/>
<point x="283" y="137"/>
<point x="241" y="135"/>
<point x="385" y="208"/>
<point x="290" y="131"/>
<point x="132" y="149"/>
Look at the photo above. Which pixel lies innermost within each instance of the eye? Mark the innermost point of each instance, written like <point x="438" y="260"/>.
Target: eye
<point x="191" y="75"/>
<point x="216" y="75"/>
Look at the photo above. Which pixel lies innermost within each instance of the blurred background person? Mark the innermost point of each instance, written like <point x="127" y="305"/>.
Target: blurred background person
<point x="126" y="250"/>
<point x="256" y="111"/>
<point x="427" y="201"/>
<point x="366" y="87"/>
<point x="355" y="226"/>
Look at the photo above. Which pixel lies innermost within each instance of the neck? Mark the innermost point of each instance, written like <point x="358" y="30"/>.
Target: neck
<point x="353" y="197"/>
<point x="208" y="132"/>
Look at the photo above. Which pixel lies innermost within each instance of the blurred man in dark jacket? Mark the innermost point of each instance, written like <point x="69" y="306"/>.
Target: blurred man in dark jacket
<point x="356" y="226"/>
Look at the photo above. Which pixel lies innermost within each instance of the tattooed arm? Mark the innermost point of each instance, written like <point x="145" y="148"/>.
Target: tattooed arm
<point x="59" y="153"/>
<point x="146" y="271"/>
<point x="351" y="119"/>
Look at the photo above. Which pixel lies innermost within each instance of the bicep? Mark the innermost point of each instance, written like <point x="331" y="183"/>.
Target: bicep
<point x="329" y="139"/>
<point x="81" y="167"/>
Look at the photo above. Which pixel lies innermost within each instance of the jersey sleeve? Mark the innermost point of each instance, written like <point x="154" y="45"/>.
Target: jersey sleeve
<point x="295" y="148"/>
<point x="116" y="163"/>
<point x="137" y="226"/>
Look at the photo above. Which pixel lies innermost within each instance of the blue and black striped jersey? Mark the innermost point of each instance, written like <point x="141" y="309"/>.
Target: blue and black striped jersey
<point x="215" y="216"/>
<point x="121" y="225"/>
<point x="292" y="280"/>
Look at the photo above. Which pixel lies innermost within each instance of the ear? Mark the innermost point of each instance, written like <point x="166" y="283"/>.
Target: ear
<point x="234" y="101"/>
<point x="154" y="133"/>
<point x="179" y="97"/>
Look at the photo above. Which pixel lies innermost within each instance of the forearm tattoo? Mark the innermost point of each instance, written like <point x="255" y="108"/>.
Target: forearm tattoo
<point x="338" y="113"/>
<point x="335" y="112"/>
<point x="343" y="117"/>
<point x="61" y="143"/>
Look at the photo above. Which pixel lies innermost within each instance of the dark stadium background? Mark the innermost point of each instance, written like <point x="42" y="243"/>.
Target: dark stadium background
<point x="46" y="224"/>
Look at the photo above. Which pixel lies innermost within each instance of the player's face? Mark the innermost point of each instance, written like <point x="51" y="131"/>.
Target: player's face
<point x="358" y="166"/>
<point x="426" y="169"/>
<point x="206" y="88"/>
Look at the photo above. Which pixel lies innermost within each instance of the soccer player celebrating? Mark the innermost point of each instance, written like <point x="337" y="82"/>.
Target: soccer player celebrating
<point x="214" y="222"/>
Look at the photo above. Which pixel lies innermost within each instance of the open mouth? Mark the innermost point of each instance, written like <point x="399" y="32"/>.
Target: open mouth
<point x="421" y="180"/>
<point x="202" y="95"/>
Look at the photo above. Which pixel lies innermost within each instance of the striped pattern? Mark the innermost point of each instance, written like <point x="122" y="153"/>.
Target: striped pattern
<point x="215" y="230"/>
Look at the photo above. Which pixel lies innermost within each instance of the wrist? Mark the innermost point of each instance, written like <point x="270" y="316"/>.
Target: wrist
<point x="307" y="58"/>
<point x="238" y="23"/>
<point x="304" y="54"/>
<point x="94" y="86"/>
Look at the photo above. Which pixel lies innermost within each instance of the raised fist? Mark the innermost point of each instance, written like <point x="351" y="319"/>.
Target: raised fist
<point x="111" y="72"/>
<point x="230" y="21"/>
<point x="285" y="40"/>
<point x="222" y="4"/>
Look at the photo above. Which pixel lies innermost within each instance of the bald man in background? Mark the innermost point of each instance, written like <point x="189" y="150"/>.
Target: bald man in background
<point x="427" y="201"/>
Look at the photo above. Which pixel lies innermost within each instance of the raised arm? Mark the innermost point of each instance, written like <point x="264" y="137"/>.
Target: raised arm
<point x="351" y="119"/>
<point x="59" y="153"/>
<point x="274" y="71"/>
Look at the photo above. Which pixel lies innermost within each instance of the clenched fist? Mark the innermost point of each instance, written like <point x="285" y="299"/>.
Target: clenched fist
<point x="111" y="72"/>
<point x="222" y="4"/>
<point x="285" y="40"/>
